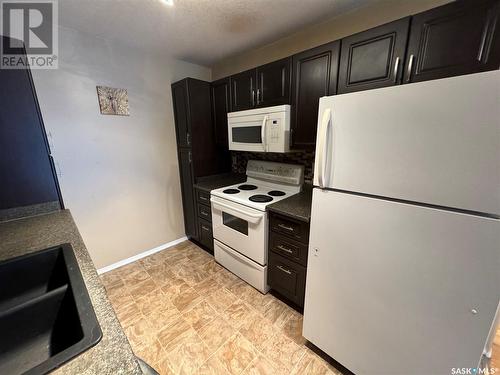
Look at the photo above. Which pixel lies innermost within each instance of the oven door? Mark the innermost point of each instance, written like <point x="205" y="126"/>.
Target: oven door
<point x="242" y="228"/>
<point x="247" y="133"/>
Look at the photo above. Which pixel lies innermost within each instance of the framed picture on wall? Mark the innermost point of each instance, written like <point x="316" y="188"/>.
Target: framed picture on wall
<point x="113" y="101"/>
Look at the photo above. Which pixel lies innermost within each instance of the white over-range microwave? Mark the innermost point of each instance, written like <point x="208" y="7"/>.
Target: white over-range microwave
<point x="260" y="130"/>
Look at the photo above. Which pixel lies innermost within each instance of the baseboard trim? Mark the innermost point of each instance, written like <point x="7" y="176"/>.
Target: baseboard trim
<point x="144" y="254"/>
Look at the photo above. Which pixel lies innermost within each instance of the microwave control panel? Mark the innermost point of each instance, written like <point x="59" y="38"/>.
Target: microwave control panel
<point x="274" y="126"/>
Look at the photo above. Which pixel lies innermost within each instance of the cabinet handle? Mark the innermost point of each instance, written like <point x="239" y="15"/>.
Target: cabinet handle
<point x="483" y="40"/>
<point x="203" y="198"/>
<point x="253" y="98"/>
<point x="205" y="228"/>
<point x="285" y="249"/>
<point x="410" y="68"/>
<point x="188" y="139"/>
<point x="396" y="69"/>
<point x="258" y="96"/>
<point x="286" y="227"/>
<point x="190" y="158"/>
<point x="284" y="270"/>
<point x="204" y="213"/>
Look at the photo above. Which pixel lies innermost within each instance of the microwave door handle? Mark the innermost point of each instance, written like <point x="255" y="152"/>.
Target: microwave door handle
<point x="263" y="133"/>
<point x="325" y="121"/>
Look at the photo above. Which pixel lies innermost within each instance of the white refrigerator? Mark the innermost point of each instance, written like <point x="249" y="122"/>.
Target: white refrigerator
<point x="404" y="257"/>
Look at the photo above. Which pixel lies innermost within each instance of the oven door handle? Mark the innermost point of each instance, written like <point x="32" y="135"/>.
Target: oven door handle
<point x="250" y="217"/>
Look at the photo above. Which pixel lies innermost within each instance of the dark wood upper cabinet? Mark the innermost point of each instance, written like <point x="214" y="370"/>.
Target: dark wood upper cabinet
<point x="314" y="75"/>
<point x="462" y="37"/>
<point x="273" y="83"/>
<point x="27" y="174"/>
<point x="182" y="113"/>
<point x="243" y="90"/>
<point x="221" y="105"/>
<point x="373" y="58"/>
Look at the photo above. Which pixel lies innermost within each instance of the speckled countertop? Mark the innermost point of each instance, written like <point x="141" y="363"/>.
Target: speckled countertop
<point x="113" y="354"/>
<point x="209" y="183"/>
<point x="298" y="206"/>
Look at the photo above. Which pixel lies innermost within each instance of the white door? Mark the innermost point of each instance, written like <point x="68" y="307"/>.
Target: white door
<point x="242" y="228"/>
<point x="394" y="288"/>
<point x="435" y="142"/>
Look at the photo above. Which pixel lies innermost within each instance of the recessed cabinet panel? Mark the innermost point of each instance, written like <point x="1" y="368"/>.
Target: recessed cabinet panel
<point x="273" y="83"/>
<point x="370" y="60"/>
<point x="221" y="105"/>
<point x="188" y="198"/>
<point x="243" y="90"/>
<point x="459" y="38"/>
<point x="373" y="58"/>
<point x="314" y="76"/>
<point x="181" y="113"/>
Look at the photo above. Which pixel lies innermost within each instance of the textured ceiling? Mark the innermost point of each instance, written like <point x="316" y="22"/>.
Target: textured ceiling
<point x="199" y="31"/>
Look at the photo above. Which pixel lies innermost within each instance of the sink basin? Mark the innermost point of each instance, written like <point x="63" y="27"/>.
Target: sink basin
<point x="46" y="317"/>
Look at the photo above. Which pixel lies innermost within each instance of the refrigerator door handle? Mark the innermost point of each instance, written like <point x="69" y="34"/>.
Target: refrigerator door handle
<point x="325" y="122"/>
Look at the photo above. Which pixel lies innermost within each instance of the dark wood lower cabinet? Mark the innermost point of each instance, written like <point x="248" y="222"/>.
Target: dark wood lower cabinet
<point x="287" y="257"/>
<point x="206" y="237"/>
<point x="287" y="278"/>
<point x="204" y="220"/>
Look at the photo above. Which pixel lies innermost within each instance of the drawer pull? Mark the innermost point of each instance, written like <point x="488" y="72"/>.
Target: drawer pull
<point x="286" y="227"/>
<point x="285" y="249"/>
<point x="284" y="270"/>
<point x="204" y="213"/>
<point x="205" y="228"/>
<point x="203" y="198"/>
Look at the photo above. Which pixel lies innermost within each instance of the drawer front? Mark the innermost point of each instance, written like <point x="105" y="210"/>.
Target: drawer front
<point x="288" y="248"/>
<point x="295" y="229"/>
<point x="204" y="212"/>
<point x="203" y="197"/>
<point x="205" y="234"/>
<point x="287" y="278"/>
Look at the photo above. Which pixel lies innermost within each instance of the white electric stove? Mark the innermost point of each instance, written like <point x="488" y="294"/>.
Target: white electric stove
<point x="239" y="217"/>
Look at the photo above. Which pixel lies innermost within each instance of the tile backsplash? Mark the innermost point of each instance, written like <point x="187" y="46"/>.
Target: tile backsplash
<point x="305" y="158"/>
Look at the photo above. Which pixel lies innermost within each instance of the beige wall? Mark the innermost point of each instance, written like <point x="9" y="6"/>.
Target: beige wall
<point x="377" y="13"/>
<point x="119" y="175"/>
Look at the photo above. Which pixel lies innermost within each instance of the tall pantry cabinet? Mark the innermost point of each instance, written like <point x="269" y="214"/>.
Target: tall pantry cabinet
<point x="198" y="153"/>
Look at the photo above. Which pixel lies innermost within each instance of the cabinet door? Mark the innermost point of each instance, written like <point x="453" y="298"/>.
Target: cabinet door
<point x="243" y="86"/>
<point x="26" y="171"/>
<point x="273" y="83"/>
<point x="188" y="199"/>
<point x="221" y="101"/>
<point x="373" y="58"/>
<point x="287" y="278"/>
<point x="455" y="39"/>
<point x="181" y="113"/>
<point x="314" y="76"/>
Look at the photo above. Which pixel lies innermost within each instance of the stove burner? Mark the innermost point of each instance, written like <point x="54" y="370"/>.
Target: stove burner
<point x="260" y="198"/>
<point x="247" y="187"/>
<point x="231" y="191"/>
<point x="276" y="193"/>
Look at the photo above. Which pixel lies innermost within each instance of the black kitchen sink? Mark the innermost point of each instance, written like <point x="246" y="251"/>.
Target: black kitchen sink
<point x="46" y="317"/>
